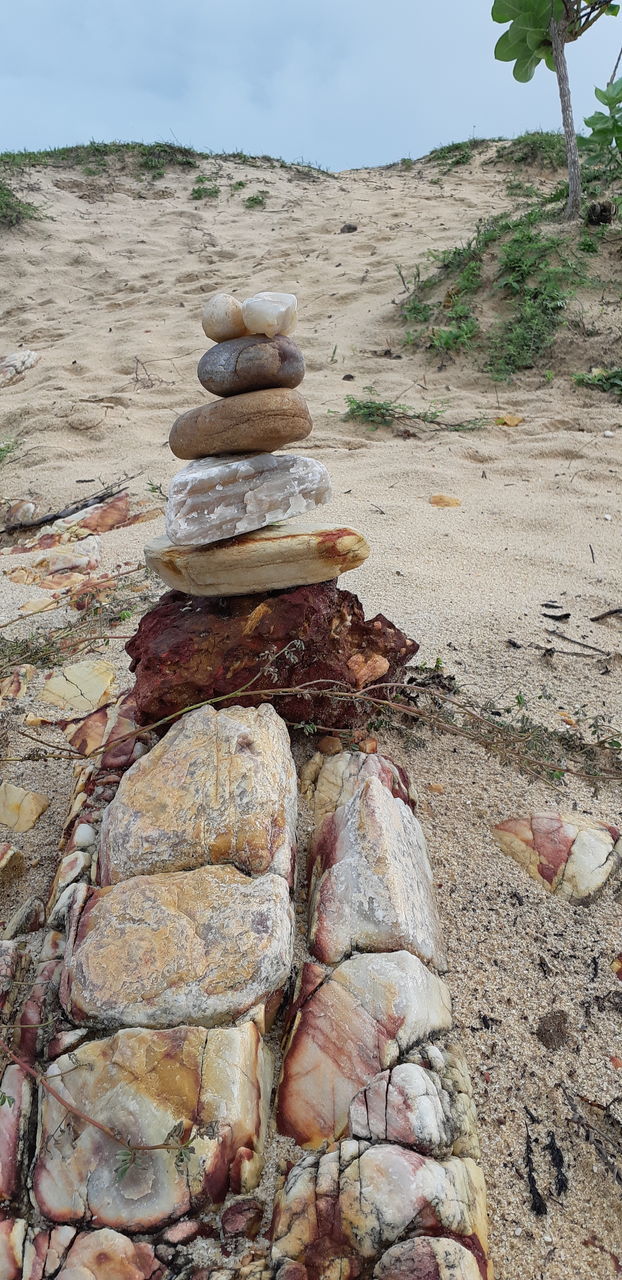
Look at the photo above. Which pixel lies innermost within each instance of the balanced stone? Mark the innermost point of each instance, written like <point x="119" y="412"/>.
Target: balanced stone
<point x="258" y="420"/>
<point x="270" y="313"/>
<point x="251" y="364"/>
<point x="222" y="317"/>
<point x="216" y="498"/>
<point x="261" y="561"/>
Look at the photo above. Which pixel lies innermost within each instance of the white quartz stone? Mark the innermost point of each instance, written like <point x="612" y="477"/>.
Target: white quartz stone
<point x="222" y="317"/>
<point x="216" y="498"/>
<point x="270" y="313"/>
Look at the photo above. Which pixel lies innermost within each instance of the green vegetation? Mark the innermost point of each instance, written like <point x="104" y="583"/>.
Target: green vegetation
<point x="530" y="265"/>
<point x="387" y="413"/>
<point x="541" y="149"/>
<point x="407" y="162"/>
<point x="7" y="447"/>
<point x="456" y="153"/>
<point x="601" y="380"/>
<point x="13" y="210"/>
<point x="237" y="186"/>
<point x="258" y="201"/>
<point x="204" y="189"/>
<point x="144" y="159"/>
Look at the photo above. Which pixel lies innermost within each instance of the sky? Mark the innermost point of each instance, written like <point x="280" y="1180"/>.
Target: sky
<point x="341" y="83"/>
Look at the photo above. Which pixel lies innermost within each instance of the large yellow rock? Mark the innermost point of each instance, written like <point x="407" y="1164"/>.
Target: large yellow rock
<point x="261" y="561"/>
<point x="202" y="947"/>
<point x="220" y="787"/>
<point x="255" y="420"/>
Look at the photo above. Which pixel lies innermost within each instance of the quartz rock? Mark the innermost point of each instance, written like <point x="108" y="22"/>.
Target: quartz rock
<point x="257" y="421"/>
<point x="188" y="649"/>
<point x="425" y="1258"/>
<point x="210" y="1087"/>
<point x="108" y="1255"/>
<point x="222" y="317"/>
<point x="216" y="498"/>
<point x="420" y="1107"/>
<point x="220" y="787"/>
<point x="342" y="1210"/>
<point x="371" y="881"/>
<point x="570" y="855"/>
<point x="266" y="560"/>
<point x="250" y="364"/>
<point x="15" y="1084"/>
<point x="199" y="947"/>
<point x="243" y="1218"/>
<point x="12" y="1236"/>
<point x="270" y="313"/>
<point x="346" y="1028"/>
<point x="328" y="783"/>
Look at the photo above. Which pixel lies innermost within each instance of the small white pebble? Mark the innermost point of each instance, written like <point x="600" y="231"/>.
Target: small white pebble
<point x="548" y="1239"/>
<point x="608" y="434"/>
<point x="518" y="1231"/>
<point x="607" y="516"/>
<point x="83" y="836"/>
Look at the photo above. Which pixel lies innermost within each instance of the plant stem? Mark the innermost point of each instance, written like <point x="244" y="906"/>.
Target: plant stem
<point x="573" y="206"/>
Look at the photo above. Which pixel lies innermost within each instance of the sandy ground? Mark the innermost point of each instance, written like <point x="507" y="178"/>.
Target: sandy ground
<point x="107" y="289"/>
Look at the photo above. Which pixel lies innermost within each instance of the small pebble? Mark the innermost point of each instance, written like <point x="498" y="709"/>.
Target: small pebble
<point x="608" y="434"/>
<point x="83" y="836"/>
<point x="607" y="516"/>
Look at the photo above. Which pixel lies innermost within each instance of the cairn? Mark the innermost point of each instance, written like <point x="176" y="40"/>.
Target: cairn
<point x="224" y="521"/>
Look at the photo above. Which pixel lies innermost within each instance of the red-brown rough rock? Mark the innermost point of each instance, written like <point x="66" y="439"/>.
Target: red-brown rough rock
<point x="242" y="1218"/>
<point x="187" y="649"/>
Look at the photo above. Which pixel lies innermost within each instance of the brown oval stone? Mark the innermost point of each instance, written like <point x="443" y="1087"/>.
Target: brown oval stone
<point x="259" y="420"/>
<point x="251" y="364"/>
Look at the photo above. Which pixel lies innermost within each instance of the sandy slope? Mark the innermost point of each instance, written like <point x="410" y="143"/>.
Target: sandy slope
<point x="108" y="289"/>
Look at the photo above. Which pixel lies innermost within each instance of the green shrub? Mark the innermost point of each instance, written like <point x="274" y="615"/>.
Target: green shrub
<point x="539" y="148"/>
<point x="12" y="209"/>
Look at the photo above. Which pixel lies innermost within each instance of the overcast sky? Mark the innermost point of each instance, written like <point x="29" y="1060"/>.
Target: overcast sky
<point x="342" y="83"/>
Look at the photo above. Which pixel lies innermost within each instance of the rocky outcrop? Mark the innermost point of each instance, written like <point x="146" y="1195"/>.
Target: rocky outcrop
<point x="187" y="650"/>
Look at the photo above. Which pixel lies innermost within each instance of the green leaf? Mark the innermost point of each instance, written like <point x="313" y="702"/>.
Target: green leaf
<point x="612" y="10"/>
<point x="603" y="96"/>
<point x="525" y="67"/>
<point x="507" y="49"/>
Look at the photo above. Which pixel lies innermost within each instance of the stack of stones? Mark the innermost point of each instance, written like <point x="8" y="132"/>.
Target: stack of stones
<point x="223" y="530"/>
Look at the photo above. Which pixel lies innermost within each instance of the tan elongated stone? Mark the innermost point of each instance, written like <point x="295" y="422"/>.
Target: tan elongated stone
<point x="210" y="1089"/>
<point x="257" y="420"/>
<point x="202" y="947"/>
<point x="220" y="787"/>
<point x="371" y="881"/>
<point x="347" y="1027"/>
<point x="216" y="498"/>
<point x="222" y="317"/>
<point x="264" y="560"/>
<point x="253" y="363"/>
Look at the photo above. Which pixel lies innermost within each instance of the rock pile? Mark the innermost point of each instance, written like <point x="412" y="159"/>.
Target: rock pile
<point x="247" y="585"/>
<point x="235" y="485"/>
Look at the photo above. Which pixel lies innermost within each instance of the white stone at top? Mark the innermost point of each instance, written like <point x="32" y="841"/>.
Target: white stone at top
<point x="270" y="313"/>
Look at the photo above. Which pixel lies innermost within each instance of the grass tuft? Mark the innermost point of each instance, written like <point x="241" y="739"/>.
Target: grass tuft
<point x="12" y="209"/>
<point x="545" y="150"/>
<point x="608" y="380"/>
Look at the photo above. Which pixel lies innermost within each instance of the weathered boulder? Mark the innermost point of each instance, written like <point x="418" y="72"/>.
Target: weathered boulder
<point x="570" y="855"/>
<point x="254" y="421"/>
<point x="209" y="1090"/>
<point x="188" y="649"/>
<point x="348" y="1026"/>
<point x="249" y="364"/>
<point x="428" y="1258"/>
<point x="201" y="947"/>
<point x="215" y="498"/>
<point x="108" y="1255"/>
<point x="330" y="781"/>
<point x="371" y="886"/>
<point x="14" y="1084"/>
<point x="420" y="1105"/>
<point x="220" y="787"/>
<point x="340" y="1211"/>
<point x="266" y="560"/>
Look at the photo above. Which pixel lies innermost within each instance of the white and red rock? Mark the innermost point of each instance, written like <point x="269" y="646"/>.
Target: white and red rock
<point x="371" y="882"/>
<point x="12" y="1236"/>
<point x="425" y="1102"/>
<point x="202" y="947"/>
<point x="211" y="1088"/>
<point x="348" y="1026"/>
<point x="108" y="1255"/>
<point x="220" y="787"/>
<point x="340" y="1211"/>
<point x="570" y="855"/>
<point x="428" y="1258"/>
<point x="14" y="1084"/>
<point x="328" y="782"/>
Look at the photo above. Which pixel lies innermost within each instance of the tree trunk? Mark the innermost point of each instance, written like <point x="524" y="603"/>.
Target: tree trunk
<point x="573" y="207"/>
